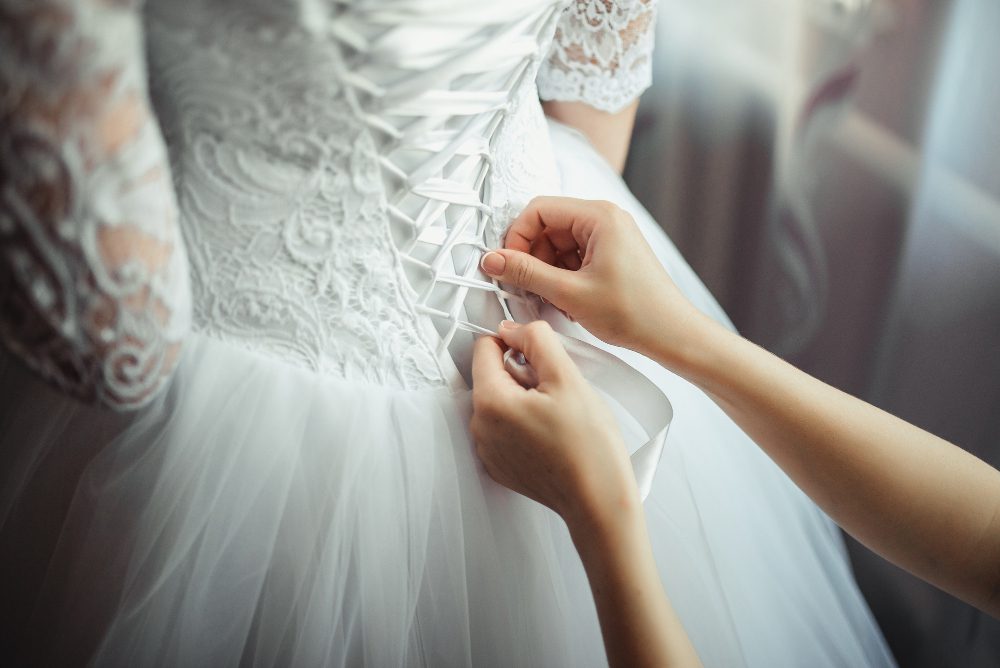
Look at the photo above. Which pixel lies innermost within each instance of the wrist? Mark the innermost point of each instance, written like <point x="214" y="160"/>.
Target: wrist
<point x="678" y="340"/>
<point x="610" y="542"/>
<point x="715" y="360"/>
<point x="605" y="521"/>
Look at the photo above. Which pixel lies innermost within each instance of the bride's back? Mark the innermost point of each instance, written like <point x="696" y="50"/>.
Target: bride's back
<point x="325" y="152"/>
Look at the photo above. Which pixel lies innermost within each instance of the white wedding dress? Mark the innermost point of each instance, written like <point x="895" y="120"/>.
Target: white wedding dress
<point x="234" y="403"/>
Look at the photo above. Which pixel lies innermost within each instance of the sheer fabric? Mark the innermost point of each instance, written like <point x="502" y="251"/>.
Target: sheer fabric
<point x="601" y="53"/>
<point x="93" y="283"/>
<point x="306" y="491"/>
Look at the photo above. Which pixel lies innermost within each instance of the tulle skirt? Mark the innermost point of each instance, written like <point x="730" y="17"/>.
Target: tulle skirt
<point x="261" y="514"/>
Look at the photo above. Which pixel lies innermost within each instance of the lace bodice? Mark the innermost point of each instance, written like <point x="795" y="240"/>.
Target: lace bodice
<point x="338" y="169"/>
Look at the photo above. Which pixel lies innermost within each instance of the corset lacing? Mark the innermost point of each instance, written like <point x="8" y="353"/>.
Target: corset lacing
<point x="452" y="131"/>
<point x="453" y="135"/>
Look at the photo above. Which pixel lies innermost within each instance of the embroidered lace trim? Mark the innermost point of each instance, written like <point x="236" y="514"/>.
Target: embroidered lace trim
<point x="601" y="54"/>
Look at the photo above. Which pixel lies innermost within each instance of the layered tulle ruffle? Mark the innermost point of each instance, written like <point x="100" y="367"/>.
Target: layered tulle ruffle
<point x="262" y="514"/>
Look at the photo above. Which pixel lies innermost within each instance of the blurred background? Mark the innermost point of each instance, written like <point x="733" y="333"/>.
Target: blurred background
<point x="831" y="169"/>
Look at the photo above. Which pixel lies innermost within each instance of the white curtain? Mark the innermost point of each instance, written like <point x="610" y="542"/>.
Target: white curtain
<point x="832" y="171"/>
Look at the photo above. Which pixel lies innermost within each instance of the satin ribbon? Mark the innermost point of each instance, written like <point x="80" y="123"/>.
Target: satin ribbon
<point x="637" y="394"/>
<point x="646" y="403"/>
<point x="427" y="96"/>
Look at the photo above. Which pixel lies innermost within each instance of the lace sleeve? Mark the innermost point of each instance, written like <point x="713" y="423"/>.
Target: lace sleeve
<point x="601" y="53"/>
<point x="94" y="289"/>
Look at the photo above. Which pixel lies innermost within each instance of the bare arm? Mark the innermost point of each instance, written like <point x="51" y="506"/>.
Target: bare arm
<point x="559" y="445"/>
<point x="601" y="61"/>
<point x="914" y="498"/>
<point x="610" y="133"/>
<point x="919" y="501"/>
<point x="639" y="626"/>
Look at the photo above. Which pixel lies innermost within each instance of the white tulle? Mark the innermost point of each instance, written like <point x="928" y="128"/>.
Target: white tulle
<point x="305" y="491"/>
<point x="261" y="514"/>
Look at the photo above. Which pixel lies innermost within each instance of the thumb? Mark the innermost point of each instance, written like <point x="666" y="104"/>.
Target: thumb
<point x="527" y="272"/>
<point x="542" y="348"/>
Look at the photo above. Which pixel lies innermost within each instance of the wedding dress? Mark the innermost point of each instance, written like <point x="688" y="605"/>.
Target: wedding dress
<point x="270" y="289"/>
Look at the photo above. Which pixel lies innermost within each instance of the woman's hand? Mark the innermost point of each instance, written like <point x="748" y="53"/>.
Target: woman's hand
<point x="589" y="259"/>
<point x="558" y="443"/>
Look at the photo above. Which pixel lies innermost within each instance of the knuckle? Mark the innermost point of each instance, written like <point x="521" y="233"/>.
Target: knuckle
<point x="537" y="329"/>
<point x="537" y="332"/>
<point x="535" y="202"/>
<point x="607" y="208"/>
<point x="624" y="218"/>
<point x="522" y="273"/>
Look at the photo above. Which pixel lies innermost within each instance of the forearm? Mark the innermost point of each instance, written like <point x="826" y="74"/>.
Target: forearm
<point x="610" y="133"/>
<point x="921" y="502"/>
<point x="639" y="626"/>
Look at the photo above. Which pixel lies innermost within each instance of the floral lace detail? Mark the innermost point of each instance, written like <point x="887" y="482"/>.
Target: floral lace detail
<point x="281" y="195"/>
<point x="93" y="278"/>
<point x="280" y="181"/>
<point x="523" y="162"/>
<point x="601" y="54"/>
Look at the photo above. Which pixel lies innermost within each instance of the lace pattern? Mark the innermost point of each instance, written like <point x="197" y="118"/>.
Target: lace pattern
<point x="523" y="162"/>
<point x="601" y="54"/>
<point x="461" y="152"/>
<point x="93" y="278"/>
<point x="281" y="195"/>
<point x="289" y="191"/>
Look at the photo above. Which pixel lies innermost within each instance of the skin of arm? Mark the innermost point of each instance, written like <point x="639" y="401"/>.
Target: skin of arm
<point x="919" y="501"/>
<point x="559" y="445"/>
<point x="610" y="133"/>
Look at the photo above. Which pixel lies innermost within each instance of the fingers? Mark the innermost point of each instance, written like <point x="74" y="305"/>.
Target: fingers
<point x="566" y="221"/>
<point x="542" y="348"/>
<point x="530" y="273"/>
<point x="548" y="243"/>
<point x="569" y="260"/>
<point x="488" y="373"/>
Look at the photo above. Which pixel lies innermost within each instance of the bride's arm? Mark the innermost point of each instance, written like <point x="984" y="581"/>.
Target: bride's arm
<point x="610" y="133"/>
<point x="599" y="64"/>
<point x="93" y="276"/>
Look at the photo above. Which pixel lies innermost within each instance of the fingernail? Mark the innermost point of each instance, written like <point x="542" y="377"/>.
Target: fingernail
<point x="493" y="263"/>
<point x="509" y="324"/>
